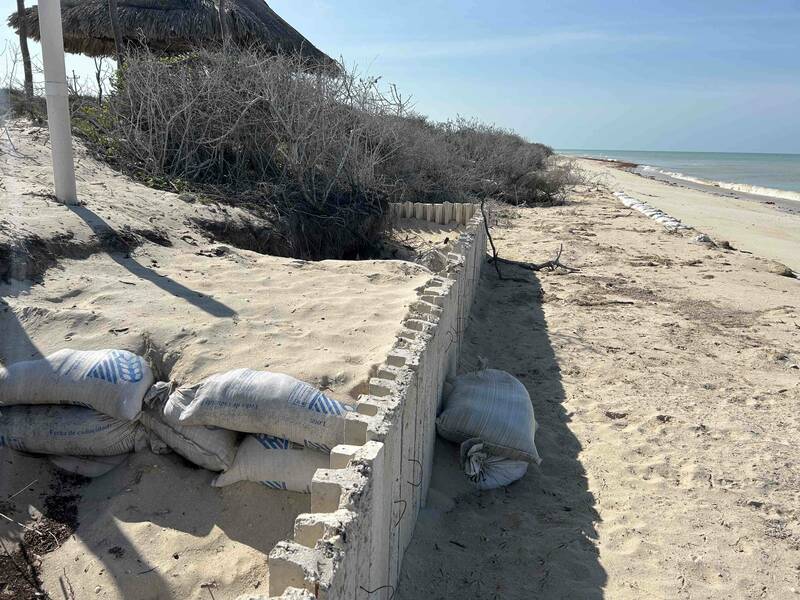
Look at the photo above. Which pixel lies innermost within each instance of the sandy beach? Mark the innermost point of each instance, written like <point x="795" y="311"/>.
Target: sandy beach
<point x="665" y="377"/>
<point x="749" y="224"/>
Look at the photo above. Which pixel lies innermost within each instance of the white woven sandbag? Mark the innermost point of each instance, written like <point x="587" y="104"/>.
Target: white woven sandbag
<point x="69" y="430"/>
<point x="274" y="462"/>
<point x="261" y="402"/>
<point x="112" y="382"/>
<point x="209" y="447"/>
<point x="495" y="407"/>
<point x="488" y="472"/>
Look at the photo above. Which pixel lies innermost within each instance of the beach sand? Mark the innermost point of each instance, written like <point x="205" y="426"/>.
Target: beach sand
<point x="138" y="269"/>
<point x="747" y="224"/>
<point x="665" y="376"/>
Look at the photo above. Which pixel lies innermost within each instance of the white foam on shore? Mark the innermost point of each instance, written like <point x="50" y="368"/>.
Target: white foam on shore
<point x="657" y="215"/>
<point x="744" y="188"/>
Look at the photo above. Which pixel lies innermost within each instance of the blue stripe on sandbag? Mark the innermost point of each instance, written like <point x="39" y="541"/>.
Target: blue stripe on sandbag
<point x="316" y="446"/>
<point x="270" y="442"/>
<point x="117" y="365"/>
<point x="327" y="406"/>
<point x="129" y="366"/>
<point x="275" y="485"/>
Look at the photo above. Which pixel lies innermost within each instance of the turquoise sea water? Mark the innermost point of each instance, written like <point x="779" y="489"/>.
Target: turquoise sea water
<point x="776" y="175"/>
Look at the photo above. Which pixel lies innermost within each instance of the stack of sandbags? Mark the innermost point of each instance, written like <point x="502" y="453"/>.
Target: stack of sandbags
<point x="490" y="414"/>
<point x="212" y="448"/>
<point x="292" y="427"/>
<point x="74" y="404"/>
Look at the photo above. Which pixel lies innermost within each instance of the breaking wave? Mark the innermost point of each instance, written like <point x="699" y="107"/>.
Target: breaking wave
<point x="744" y="188"/>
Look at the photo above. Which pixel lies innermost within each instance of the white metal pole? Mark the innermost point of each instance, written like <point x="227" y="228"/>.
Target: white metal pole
<point x="55" y="81"/>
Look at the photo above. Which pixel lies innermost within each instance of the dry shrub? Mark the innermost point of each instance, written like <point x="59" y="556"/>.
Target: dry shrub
<point x="463" y="160"/>
<point x="306" y="145"/>
<point x="322" y="154"/>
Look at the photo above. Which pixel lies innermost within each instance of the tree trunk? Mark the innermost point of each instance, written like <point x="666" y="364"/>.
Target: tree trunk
<point x="23" y="47"/>
<point x="223" y="22"/>
<point x="112" y="9"/>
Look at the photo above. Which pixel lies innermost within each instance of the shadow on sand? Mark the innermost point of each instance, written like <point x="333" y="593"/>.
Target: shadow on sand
<point x="104" y="230"/>
<point x="533" y="539"/>
<point x="127" y="566"/>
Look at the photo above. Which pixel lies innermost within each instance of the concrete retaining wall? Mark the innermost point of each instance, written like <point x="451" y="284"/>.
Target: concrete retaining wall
<point x="443" y="214"/>
<point x="364" y="508"/>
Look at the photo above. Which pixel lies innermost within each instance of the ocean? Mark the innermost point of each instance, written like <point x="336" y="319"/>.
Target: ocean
<point x="773" y="175"/>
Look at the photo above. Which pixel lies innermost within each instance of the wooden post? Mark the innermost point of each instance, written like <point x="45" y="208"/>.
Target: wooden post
<point x="55" y="84"/>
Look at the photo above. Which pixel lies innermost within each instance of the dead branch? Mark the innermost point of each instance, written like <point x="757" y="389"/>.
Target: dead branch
<point x="552" y="264"/>
<point x="66" y="585"/>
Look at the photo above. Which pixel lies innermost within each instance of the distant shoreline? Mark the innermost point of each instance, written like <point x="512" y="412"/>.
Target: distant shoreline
<point x="781" y="204"/>
<point x="754" y="225"/>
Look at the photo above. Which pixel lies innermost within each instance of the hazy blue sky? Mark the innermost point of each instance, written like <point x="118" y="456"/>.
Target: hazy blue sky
<point x="680" y="75"/>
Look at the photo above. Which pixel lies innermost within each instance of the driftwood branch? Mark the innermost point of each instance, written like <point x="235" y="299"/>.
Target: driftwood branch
<point x="552" y="264"/>
<point x="549" y="265"/>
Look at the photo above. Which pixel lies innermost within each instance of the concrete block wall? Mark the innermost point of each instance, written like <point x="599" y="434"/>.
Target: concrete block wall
<point x="364" y="508"/>
<point x="443" y="214"/>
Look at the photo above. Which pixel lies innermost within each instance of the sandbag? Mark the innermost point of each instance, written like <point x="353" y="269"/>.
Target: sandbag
<point x="261" y="402"/>
<point x="112" y="382"/>
<point x="209" y="447"/>
<point x="495" y="407"/>
<point x="68" y="430"/>
<point x="487" y="471"/>
<point x="88" y="466"/>
<point x="274" y="462"/>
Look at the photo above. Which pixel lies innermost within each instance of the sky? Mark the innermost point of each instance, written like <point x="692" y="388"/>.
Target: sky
<point x="715" y="75"/>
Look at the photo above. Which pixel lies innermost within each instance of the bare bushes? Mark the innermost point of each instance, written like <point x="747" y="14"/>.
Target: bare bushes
<point x="306" y="146"/>
<point x="461" y="160"/>
<point x="320" y="155"/>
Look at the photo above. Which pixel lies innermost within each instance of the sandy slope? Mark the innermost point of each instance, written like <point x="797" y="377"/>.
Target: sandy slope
<point x="665" y="378"/>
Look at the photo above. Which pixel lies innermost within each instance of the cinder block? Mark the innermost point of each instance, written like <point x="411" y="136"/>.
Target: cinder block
<point x="367" y="408"/>
<point x="380" y="387"/>
<point x="292" y="566"/>
<point x="355" y="428"/>
<point x="439" y="212"/>
<point x="388" y="372"/>
<point x="326" y="491"/>
<point x="341" y="455"/>
<point x="448" y="213"/>
<point x="398" y="357"/>
<point x="419" y="325"/>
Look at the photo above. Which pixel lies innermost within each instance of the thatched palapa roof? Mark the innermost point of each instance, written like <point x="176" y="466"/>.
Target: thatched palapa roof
<point x="173" y="26"/>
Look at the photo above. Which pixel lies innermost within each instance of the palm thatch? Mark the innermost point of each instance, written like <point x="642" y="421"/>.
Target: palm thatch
<point x="173" y="26"/>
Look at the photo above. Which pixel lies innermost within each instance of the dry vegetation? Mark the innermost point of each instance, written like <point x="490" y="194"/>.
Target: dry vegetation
<point x="319" y="156"/>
